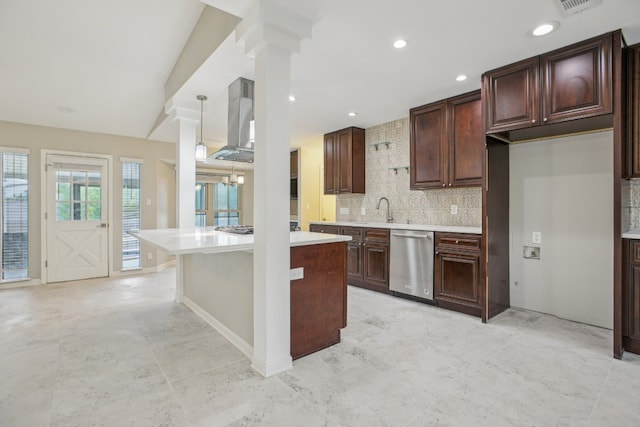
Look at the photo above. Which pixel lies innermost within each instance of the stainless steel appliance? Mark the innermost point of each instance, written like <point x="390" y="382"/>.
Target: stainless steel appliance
<point x="411" y="263"/>
<point x="240" y="132"/>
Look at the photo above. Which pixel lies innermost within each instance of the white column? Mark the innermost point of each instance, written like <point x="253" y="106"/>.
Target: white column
<point x="267" y="33"/>
<point x="187" y="113"/>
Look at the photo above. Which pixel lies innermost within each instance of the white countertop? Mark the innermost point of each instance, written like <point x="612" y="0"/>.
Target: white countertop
<point x="398" y="226"/>
<point x="178" y="241"/>
<point x="631" y="234"/>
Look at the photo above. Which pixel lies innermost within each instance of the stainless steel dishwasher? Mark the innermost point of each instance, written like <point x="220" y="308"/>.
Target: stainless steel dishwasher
<point x="411" y="263"/>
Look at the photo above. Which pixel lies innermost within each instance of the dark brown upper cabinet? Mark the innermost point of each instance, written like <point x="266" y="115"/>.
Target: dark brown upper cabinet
<point x="447" y="143"/>
<point x="523" y="100"/>
<point x="633" y="139"/>
<point x="512" y="100"/>
<point x="344" y="161"/>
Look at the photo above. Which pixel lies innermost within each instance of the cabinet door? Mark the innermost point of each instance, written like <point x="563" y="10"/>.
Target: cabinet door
<point x="512" y="96"/>
<point x="634" y="113"/>
<point x="344" y="161"/>
<point x="577" y="81"/>
<point x="457" y="277"/>
<point x="631" y="299"/>
<point x="466" y="140"/>
<point x="330" y="161"/>
<point x="293" y="164"/>
<point x="428" y="146"/>
<point x="376" y="264"/>
<point x="354" y="261"/>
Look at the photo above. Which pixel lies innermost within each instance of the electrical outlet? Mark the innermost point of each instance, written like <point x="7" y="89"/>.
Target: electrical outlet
<point x="363" y="211"/>
<point x="149" y="256"/>
<point x="296" y="273"/>
<point x="148" y="202"/>
<point x="454" y="209"/>
<point x="344" y="211"/>
<point x="536" y="237"/>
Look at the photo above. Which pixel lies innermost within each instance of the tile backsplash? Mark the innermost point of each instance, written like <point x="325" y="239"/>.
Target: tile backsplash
<point x="630" y="205"/>
<point x="431" y="207"/>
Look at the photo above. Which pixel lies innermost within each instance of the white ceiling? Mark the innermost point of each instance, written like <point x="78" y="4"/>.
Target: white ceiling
<point x="109" y="61"/>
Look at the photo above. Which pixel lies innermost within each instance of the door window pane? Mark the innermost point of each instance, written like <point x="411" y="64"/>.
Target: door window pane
<point x="78" y="195"/>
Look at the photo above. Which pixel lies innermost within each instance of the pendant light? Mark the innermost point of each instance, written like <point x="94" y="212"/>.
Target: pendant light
<point x="235" y="179"/>
<point x="201" y="149"/>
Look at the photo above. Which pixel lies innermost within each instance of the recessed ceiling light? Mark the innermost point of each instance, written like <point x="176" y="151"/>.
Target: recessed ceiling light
<point x="292" y="98"/>
<point x="399" y="44"/>
<point x="544" y="29"/>
<point x="353" y="114"/>
<point x="66" y="110"/>
<point x="461" y="78"/>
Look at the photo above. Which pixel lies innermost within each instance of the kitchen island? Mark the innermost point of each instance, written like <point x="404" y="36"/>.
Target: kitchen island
<point x="214" y="278"/>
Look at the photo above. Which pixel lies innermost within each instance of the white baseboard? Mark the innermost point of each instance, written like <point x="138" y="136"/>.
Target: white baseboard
<point x="275" y="367"/>
<point x="165" y="265"/>
<point x="241" y="344"/>
<point x="20" y="284"/>
<point x="146" y="270"/>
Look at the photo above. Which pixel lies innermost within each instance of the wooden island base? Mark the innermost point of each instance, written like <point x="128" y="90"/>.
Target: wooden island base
<point x="219" y="288"/>
<point x="319" y="299"/>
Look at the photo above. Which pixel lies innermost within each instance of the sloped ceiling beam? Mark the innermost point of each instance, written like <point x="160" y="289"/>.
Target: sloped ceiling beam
<point x="213" y="27"/>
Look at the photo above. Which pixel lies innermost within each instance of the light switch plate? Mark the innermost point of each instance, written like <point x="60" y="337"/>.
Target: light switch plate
<point x="148" y="202"/>
<point x="363" y="211"/>
<point x="296" y="273"/>
<point x="536" y="237"/>
<point x="454" y="209"/>
<point x="344" y="211"/>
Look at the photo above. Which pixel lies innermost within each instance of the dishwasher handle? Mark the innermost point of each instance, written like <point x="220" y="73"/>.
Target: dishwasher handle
<point x="412" y="236"/>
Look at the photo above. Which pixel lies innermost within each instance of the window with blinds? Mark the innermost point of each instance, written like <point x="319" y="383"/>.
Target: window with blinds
<point x="130" y="214"/>
<point x="14" y="216"/>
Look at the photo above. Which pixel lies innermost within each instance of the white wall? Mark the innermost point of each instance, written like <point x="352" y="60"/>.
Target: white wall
<point x="564" y="189"/>
<point x="157" y="181"/>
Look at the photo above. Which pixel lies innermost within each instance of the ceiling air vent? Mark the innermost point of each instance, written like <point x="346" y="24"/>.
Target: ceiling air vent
<point x="571" y="7"/>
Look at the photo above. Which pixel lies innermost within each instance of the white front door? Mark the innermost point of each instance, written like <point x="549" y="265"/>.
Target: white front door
<point x="77" y="229"/>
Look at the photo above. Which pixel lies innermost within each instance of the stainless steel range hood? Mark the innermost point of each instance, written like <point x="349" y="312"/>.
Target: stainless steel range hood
<point x="240" y="131"/>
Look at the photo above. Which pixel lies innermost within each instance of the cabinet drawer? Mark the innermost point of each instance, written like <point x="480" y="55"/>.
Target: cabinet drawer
<point x="331" y="229"/>
<point x="379" y="235"/>
<point x="460" y="241"/>
<point x="635" y="251"/>
<point x="354" y="232"/>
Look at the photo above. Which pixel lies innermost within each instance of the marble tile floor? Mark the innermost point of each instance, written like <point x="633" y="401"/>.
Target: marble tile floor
<point x="120" y="352"/>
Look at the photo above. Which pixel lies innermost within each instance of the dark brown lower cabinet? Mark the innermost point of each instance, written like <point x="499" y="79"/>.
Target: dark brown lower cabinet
<point x="631" y="298"/>
<point x="376" y="265"/>
<point x="319" y="299"/>
<point x="368" y="258"/>
<point x="458" y="272"/>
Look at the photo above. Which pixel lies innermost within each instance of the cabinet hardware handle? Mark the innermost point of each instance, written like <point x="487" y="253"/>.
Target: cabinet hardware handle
<point x="457" y="242"/>
<point x="533" y="121"/>
<point x="449" y="184"/>
<point x="545" y="119"/>
<point x="444" y="185"/>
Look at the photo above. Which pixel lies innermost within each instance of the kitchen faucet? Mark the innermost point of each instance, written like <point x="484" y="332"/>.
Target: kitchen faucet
<point x="389" y="217"/>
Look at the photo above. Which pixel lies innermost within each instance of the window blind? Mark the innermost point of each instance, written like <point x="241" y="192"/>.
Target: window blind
<point x="130" y="214"/>
<point x="14" y="214"/>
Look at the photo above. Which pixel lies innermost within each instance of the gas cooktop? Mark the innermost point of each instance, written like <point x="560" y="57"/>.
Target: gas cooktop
<point x="236" y="229"/>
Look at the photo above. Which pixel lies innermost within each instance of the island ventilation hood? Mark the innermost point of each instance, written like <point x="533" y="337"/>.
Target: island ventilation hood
<point x="240" y="132"/>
